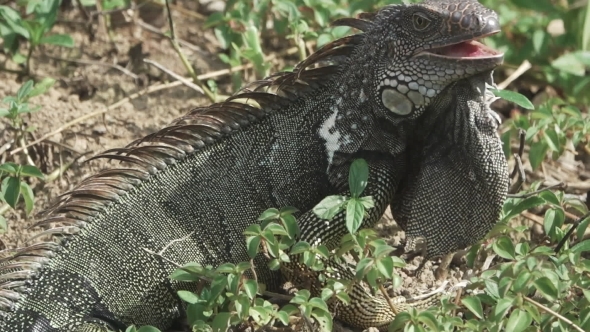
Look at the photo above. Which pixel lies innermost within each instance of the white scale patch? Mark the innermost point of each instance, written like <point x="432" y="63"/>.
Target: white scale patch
<point x="332" y="136"/>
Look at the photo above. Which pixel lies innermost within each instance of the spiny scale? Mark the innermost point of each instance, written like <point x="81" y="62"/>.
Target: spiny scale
<point x="395" y="94"/>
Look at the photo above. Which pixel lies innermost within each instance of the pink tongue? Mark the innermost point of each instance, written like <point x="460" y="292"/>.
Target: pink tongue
<point x="465" y="50"/>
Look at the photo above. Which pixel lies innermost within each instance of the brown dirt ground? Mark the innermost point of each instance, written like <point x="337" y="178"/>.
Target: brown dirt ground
<point x="83" y="88"/>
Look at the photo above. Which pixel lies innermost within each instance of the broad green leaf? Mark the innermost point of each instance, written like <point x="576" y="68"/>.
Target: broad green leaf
<point x="318" y="303"/>
<point x="385" y="266"/>
<point x="217" y="286"/>
<point x="502" y="307"/>
<point x="148" y="328"/>
<point x="399" y="322"/>
<point x="329" y="207"/>
<point x="226" y="268"/>
<point x="188" y="297"/>
<point x="550" y="197"/>
<point x="569" y="63"/>
<point x="324" y="318"/>
<point x="42" y="87"/>
<point x="253" y="244"/>
<point x="524" y="205"/>
<point x="299" y="247"/>
<point x="327" y="293"/>
<point x="355" y="213"/>
<point x="291" y="225"/>
<point x="537" y="153"/>
<point x="251" y="288"/>
<point x="473" y="303"/>
<point x="58" y="40"/>
<point x="428" y="319"/>
<point x="11" y="190"/>
<point x="514" y="97"/>
<point x="269" y="214"/>
<point x="582" y="226"/>
<point x="10" y="168"/>
<point x="276" y="229"/>
<point x="519" y="320"/>
<point x="504" y="247"/>
<point x="274" y="264"/>
<point x="24" y="90"/>
<point x="358" y="177"/>
<point x="221" y="322"/>
<point x="581" y="247"/>
<point x="28" y="197"/>
<point x="28" y="170"/>
<point x="547" y="288"/>
<point x="283" y="317"/>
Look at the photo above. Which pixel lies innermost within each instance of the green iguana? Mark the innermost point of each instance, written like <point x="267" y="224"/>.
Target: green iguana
<point x="407" y="94"/>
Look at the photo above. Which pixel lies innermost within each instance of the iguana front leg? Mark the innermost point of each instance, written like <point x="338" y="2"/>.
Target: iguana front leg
<point x="365" y="310"/>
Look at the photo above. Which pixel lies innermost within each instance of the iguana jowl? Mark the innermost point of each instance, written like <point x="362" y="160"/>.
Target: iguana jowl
<point x="403" y="94"/>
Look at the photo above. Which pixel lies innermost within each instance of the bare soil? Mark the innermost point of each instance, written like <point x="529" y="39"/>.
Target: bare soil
<point x="88" y="81"/>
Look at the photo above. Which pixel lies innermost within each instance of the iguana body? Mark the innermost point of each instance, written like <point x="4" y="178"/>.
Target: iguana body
<point x="210" y="174"/>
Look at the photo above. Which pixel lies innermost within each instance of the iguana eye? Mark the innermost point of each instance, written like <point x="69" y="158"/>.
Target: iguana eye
<point x="420" y="21"/>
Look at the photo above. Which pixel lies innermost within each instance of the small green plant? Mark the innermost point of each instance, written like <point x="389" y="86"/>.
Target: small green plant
<point x="12" y="175"/>
<point x="41" y="16"/>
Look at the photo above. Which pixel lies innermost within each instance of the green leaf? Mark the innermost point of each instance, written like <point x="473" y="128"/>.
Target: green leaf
<point x="355" y="213"/>
<point x="428" y="319"/>
<point x="329" y="207"/>
<point x="253" y="244"/>
<point x="24" y="90"/>
<point x="547" y="288"/>
<point x="581" y="247"/>
<point x="11" y="190"/>
<point x="504" y="247"/>
<point x="291" y="225"/>
<point x="524" y="205"/>
<point x="324" y="318"/>
<point x="317" y="302"/>
<point x="358" y="177"/>
<point x="550" y="197"/>
<point x="519" y="320"/>
<point x="28" y="197"/>
<point x="473" y="303"/>
<point x="385" y="266"/>
<point x="582" y="228"/>
<point x="274" y="264"/>
<point x="58" y="40"/>
<point x="299" y="247"/>
<point x="221" y="322"/>
<point x="188" y="297"/>
<point x="226" y="268"/>
<point x="399" y="322"/>
<point x="276" y="229"/>
<point x="28" y="170"/>
<point x="10" y="168"/>
<point x="148" y="328"/>
<point x="42" y="87"/>
<point x="537" y="153"/>
<point x="514" y="97"/>
<point x="269" y="214"/>
<point x="250" y="287"/>
<point x="569" y="63"/>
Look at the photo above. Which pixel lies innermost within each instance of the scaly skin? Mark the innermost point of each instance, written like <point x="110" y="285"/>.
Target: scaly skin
<point x="209" y="175"/>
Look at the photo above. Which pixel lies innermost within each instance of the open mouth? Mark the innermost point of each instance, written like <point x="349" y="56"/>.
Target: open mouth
<point x="470" y="49"/>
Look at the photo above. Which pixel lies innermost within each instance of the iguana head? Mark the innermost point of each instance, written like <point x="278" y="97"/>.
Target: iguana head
<point x="419" y="49"/>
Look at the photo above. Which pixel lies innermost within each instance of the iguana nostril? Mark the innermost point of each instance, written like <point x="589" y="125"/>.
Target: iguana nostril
<point x="492" y="25"/>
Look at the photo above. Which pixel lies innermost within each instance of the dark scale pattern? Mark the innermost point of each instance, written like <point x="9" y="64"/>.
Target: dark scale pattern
<point x="460" y="176"/>
<point x="415" y="116"/>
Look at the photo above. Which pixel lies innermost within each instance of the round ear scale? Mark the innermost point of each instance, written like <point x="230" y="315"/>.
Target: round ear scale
<point x="396" y="102"/>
